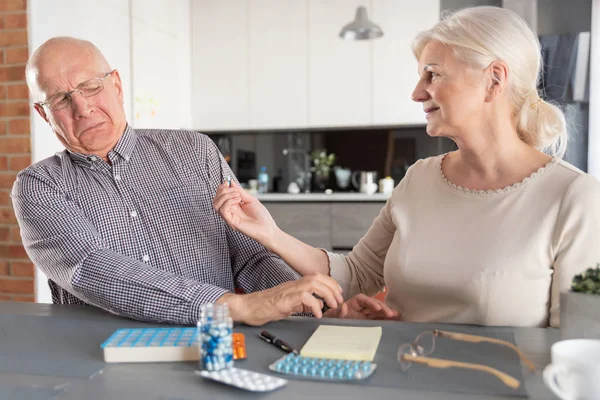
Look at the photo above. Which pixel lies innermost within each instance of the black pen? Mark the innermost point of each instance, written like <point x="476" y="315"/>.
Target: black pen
<point x="275" y="341"/>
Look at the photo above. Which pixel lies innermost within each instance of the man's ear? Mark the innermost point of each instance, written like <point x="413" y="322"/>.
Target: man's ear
<point x="497" y="79"/>
<point x="40" y="110"/>
<point x="118" y="84"/>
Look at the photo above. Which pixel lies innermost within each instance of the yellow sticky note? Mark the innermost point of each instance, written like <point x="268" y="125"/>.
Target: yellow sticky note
<point x="343" y="342"/>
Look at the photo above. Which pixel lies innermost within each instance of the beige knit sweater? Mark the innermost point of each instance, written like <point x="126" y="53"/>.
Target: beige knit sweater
<point x="502" y="257"/>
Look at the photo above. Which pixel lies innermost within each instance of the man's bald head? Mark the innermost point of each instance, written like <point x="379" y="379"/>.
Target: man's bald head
<point x="86" y="121"/>
<point x="55" y="52"/>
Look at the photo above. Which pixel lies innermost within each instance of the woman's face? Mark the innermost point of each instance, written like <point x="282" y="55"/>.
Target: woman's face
<point x="453" y="94"/>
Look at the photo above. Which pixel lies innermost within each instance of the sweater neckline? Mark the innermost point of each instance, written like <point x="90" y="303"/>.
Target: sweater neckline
<point x="505" y="189"/>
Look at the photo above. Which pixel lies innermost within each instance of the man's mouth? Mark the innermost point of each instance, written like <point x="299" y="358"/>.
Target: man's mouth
<point x="98" y="125"/>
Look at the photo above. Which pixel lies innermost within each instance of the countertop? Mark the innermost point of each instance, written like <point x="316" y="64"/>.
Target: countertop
<point x="323" y="197"/>
<point x="45" y="347"/>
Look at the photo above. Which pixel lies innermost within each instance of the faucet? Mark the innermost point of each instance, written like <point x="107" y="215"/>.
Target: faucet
<point x="306" y="176"/>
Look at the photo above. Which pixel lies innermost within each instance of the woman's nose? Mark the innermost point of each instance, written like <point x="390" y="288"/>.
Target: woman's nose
<point x="419" y="94"/>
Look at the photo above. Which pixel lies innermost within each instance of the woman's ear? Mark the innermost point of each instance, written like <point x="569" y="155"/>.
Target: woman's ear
<point x="497" y="77"/>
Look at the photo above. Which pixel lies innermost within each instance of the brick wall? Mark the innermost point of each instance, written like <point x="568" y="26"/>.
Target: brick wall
<point x="16" y="271"/>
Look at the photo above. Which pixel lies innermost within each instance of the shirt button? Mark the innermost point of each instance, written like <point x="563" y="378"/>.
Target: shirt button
<point x="92" y="158"/>
<point x="133" y="214"/>
<point x="117" y="177"/>
<point x="146" y="258"/>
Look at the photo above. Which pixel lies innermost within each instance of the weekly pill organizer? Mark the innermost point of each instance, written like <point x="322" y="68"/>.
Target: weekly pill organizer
<point x="160" y="345"/>
<point x="152" y="345"/>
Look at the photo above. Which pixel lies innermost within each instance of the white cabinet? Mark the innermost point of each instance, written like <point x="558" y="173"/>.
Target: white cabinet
<point x="394" y="65"/>
<point x="161" y="78"/>
<point x="268" y="64"/>
<point x="339" y="71"/>
<point x="220" y="64"/>
<point x="277" y="54"/>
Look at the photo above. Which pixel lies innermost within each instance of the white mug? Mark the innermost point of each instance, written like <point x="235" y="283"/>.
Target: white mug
<point x="575" y="369"/>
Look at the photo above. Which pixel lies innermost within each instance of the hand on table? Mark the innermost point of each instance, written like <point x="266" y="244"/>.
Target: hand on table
<point x="363" y="307"/>
<point x="286" y="299"/>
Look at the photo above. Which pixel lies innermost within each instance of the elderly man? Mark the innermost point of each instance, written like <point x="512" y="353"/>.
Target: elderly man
<point x="123" y="218"/>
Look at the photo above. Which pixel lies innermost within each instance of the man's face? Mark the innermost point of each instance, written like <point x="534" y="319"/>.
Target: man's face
<point x="87" y="125"/>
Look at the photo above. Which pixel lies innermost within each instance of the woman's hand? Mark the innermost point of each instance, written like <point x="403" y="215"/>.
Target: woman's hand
<point x="245" y="213"/>
<point x="363" y="307"/>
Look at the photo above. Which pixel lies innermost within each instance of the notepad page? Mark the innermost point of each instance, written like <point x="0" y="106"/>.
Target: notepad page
<point x="343" y="342"/>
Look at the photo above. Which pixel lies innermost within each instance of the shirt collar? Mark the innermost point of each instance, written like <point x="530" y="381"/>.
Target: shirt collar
<point x="124" y="148"/>
<point x="126" y="144"/>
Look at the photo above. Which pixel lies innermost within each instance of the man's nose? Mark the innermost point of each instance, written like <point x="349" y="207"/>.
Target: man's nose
<point x="80" y="104"/>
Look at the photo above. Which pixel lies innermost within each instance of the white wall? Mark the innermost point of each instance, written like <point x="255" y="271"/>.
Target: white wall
<point x="148" y="41"/>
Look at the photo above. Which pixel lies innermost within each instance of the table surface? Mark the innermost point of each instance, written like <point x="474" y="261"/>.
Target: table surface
<point x="176" y="381"/>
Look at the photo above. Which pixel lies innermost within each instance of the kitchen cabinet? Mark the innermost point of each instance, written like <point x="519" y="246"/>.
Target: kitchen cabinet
<point x="220" y="64"/>
<point x="393" y="63"/>
<point x="160" y="83"/>
<point x="269" y="64"/>
<point x="277" y="73"/>
<point x="339" y="71"/>
<point x="334" y="226"/>
<point x="350" y="222"/>
<point x="308" y="222"/>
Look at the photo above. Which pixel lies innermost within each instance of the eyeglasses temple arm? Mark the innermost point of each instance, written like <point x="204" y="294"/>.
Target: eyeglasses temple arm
<point x="441" y="363"/>
<point x="476" y="339"/>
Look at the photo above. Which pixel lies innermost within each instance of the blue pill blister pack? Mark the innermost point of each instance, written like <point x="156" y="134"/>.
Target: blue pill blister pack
<point x="323" y="368"/>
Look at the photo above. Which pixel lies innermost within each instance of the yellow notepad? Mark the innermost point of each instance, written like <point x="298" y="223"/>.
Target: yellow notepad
<point x="343" y="342"/>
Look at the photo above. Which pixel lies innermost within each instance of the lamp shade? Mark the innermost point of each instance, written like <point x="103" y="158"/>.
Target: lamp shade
<point x="361" y="28"/>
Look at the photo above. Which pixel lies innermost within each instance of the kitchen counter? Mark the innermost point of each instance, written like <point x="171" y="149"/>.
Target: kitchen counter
<point x="323" y="197"/>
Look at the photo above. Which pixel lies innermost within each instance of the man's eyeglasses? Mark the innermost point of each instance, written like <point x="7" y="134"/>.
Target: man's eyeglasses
<point x="424" y="345"/>
<point x="86" y="89"/>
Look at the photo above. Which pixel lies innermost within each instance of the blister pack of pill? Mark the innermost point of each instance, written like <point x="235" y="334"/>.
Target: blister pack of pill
<point x="244" y="379"/>
<point x="323" y="368"/>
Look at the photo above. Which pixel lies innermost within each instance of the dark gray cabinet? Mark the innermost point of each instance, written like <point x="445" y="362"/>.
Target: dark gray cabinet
<point x="333" y="226"/>
<point x="350" y="221"/>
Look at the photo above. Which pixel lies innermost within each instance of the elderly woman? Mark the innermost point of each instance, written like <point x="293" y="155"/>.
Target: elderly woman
<point x="488" y="234"/>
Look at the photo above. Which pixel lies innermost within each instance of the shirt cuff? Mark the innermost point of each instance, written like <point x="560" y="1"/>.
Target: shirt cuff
<point x="208" y="294"/>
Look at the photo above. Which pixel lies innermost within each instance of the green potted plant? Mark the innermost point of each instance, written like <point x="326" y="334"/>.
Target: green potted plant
<point x="322" y="166"/>
<point x="580" y="307"/>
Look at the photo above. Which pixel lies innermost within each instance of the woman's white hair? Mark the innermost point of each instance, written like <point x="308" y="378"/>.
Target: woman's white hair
<point x="480" y="35"/>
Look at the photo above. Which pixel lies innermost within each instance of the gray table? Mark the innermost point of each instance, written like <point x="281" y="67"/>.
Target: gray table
<point x="176" y="381"/>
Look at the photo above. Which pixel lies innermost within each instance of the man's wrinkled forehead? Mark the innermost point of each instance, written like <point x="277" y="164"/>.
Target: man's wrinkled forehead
<point x="63" y="70"/>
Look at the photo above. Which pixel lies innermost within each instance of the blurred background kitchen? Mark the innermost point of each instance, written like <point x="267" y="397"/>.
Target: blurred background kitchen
<point x="297" y="101"/>
<point x="314" y="111"/>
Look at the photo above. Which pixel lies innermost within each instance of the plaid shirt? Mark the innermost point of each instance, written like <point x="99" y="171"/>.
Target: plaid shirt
<point x="139" y="236"/>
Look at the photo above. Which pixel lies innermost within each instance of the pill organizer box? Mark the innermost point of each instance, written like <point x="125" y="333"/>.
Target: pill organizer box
<point x="323" y="368"/>
<point x="152" y="345"/>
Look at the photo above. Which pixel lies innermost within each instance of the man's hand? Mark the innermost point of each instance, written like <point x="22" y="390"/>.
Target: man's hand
<point x="363" y="307"/>
<point x="284" y="300"/>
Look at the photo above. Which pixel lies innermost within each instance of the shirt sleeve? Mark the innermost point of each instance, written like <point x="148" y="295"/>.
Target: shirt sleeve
<point x="361" y="271"/>
<point x="576" y="238"/>
<point x="254" y="267"/>
<point x="63" y="243"/>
